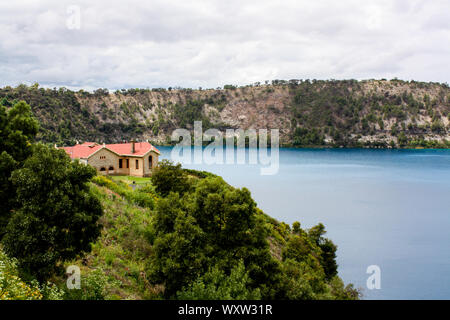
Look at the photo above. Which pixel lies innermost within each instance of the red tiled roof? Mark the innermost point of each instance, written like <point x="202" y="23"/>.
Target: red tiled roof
<point x="86" y="149"/>
<point x="141" y="148"/>
<point x="81" y="150"/>
<point x="88" y="144"/>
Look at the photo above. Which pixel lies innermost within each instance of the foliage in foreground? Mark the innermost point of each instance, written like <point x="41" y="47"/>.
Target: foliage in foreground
<point x="202" y="235"/>
<point x="57" y="216"/>
<point x="116" y="266"/>
<point x="216" y="285"/>
<point x="174" y="251"/>
<point x="48" y="213"/>
<point x="17" y="131"/>
<point x="12" y="287"/>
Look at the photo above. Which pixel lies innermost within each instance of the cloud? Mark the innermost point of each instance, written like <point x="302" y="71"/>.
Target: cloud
<point x="121" y="44"/>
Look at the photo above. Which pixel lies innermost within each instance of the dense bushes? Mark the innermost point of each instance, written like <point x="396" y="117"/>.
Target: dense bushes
<point x="12" y="287"/>
<point x="48" y="214"/>
<point x="209" y="242"/>
<point x="17" y="132"/>
<point x="56" y="215"/>
<point x="212" y="232"/>
<point x="92" y="287"/>
<point x="216" y="285"/>
<point x="305" y="137"/>
<point x="168" y="178"/>
<point x="214" y="225"/>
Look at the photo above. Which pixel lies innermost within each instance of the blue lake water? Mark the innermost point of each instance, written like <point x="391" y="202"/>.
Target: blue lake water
<point x="389" y="208"/>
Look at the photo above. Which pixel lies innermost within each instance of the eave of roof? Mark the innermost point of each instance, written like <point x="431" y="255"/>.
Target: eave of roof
<point x="82" y="151"/>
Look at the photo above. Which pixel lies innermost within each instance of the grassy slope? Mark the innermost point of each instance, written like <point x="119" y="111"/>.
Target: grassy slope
<point x="122" y="248"/>
<point x="130" y="180"/>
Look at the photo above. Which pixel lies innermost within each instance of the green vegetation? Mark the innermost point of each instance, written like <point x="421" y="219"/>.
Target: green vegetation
<point x="17" y="131"/>
<point x="131" y="180"/>
<point x="12" y="287"/>
<point x="49" y="214"/>
<point x="139" y="197"/>
<point x="344" y="111"/>
<point x="168" y="178"/>
<point x="304" y="137"/>
<point x="216" y="285"/>
<point x="55" y="218"/>
<point x="211" y="242"/>
<point x="309" y="113"/>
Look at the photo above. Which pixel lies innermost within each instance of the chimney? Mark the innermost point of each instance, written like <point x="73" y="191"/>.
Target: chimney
<point x="133" y="149"/>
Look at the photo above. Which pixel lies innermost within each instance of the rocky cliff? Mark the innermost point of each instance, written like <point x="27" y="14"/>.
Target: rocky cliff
<point x="349" y="113"/>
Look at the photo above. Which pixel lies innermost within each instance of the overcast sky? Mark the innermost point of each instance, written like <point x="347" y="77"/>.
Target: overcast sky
<point x="122" y="44"/>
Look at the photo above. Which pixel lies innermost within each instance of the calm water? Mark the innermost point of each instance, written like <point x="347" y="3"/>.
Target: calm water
<point x="389" y="208"/>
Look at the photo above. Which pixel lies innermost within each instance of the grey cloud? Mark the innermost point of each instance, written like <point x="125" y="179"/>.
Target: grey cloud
<point x="210" y="43"/>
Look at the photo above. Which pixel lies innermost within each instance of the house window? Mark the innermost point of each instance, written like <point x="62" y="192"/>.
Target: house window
<point x="111" y="168"/>
<point x="102" y="169"/>
<point x="120" y="164"/>
<point x="137" y="164"/>
<point x="128" y="163"/>
<point x="150" y="161"/>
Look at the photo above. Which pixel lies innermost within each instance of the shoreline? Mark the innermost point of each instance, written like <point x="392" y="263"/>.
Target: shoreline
<point x="323" y="147"/>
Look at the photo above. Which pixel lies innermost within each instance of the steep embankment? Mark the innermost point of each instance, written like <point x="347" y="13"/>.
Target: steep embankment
<point x="374" y="113"/>
<point x="122" y="262"/>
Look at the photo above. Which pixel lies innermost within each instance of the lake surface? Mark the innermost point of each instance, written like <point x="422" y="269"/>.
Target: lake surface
<point x="389" y="208"/>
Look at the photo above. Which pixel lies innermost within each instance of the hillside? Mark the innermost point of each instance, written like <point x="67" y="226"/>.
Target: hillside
<point x="150" y="247"/>
<point x="349" y="113"/>
<point x="120" y="264"/>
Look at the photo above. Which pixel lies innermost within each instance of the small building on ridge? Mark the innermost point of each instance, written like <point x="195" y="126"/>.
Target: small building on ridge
<point x="133" y="158"/>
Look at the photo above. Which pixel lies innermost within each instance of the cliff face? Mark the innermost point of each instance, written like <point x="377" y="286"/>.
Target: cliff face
<point x="376" y="113"/>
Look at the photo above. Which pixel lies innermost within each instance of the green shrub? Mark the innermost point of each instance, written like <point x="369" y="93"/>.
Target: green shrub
<point x="12" y="287"/>
<point x="57" y="215"/>
<point x="141" y="199"/>
<point x="92" y="287"/>
<point x="168" y="177"/>
<point x="217" y="285"/>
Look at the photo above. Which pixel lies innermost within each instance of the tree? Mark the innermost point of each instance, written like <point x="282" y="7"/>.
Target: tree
<point x="213" y="225"/>
<point x="18" y="129"/>
<point x="402" y="139"/>
<point x="167" y="177"/>
<point x="217" y="285"/>
<point x="328" y="250"/>
<point x="58" y="215"/>
<point x="296" y="227"/>
<point x="328" y="258"/>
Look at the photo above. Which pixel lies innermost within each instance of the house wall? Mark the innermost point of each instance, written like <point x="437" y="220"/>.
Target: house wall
<point x="104" y="158"/>
<point x="124" y="170"/>
<point x="136" y="171"/>
<point x="147" y="168"/>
